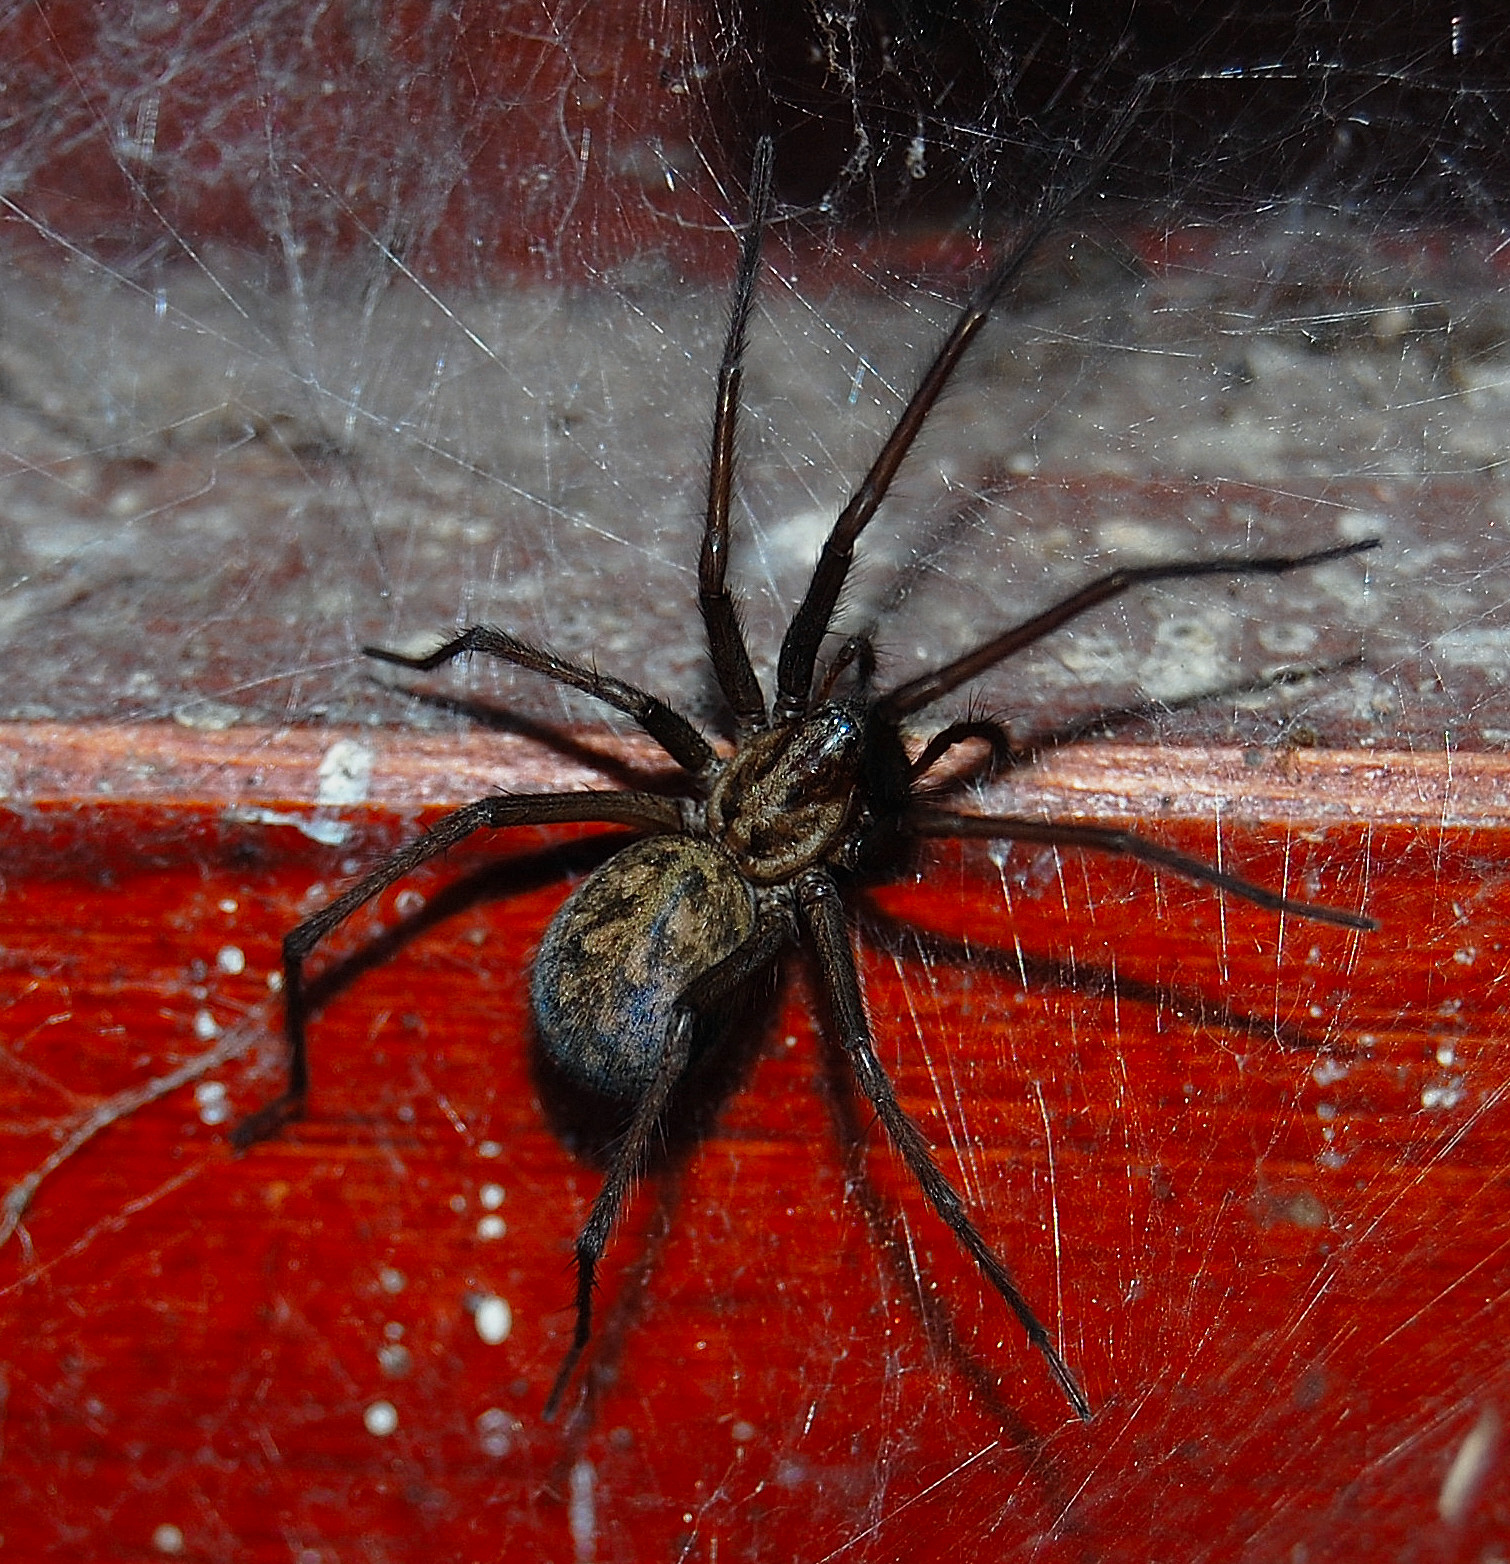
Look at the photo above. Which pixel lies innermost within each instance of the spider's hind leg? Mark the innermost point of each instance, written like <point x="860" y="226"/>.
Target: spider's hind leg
<point x="823" y="915"/>
<point x="645" y="810"/>
<point x="714" y="986"/>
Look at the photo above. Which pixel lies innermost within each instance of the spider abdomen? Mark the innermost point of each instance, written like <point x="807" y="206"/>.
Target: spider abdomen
<point x="624" y="948"/>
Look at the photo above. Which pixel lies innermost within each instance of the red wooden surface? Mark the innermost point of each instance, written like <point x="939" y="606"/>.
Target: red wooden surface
<point x="410" y="127"/>
<point x="1253" y="1177"/>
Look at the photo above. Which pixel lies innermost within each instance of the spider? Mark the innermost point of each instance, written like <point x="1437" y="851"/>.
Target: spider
<point x="639" y="965"/>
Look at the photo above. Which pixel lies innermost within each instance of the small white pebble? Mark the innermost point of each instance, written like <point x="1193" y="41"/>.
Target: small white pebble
<point x="494" y="1320"/>
<point x="381" y="1418"/>
<point x="408" y="902"/>
<point x="167" y="1538"/>
<point x="275" y="982"/>
<point x="490" y="1196"/>
<point x="741" y="1432"/>
<point x="231" y="958"/>
<point x="229" y="905"/>
<point x="392" y="1280"/>
<point x="458" y="1203"/>
<point x="490" y="1149"/>
<point x="206" y="1028"/>
<point x="1446" y="1054"/>
<point x="491" y="1227"/>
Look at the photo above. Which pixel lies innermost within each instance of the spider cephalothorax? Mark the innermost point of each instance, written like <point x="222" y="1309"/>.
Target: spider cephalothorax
<point x="662" y="935"/>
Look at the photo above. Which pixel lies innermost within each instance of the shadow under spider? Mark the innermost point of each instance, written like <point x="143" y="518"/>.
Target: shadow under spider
<point x="587" y="1124"/>
<point x="892" y="935"/>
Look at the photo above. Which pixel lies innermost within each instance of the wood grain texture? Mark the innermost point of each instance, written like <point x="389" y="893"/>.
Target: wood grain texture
<point x="1253" y="1175"/>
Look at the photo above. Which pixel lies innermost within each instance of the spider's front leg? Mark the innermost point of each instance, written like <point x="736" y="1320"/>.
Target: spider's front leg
<point x="672" y="731"/>
<point x="823" y="914"/>
<point x="644" y="810"/>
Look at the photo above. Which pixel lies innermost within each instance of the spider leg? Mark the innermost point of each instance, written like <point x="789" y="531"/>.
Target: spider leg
<point x="857" y="652"/>
<point x="823" y="914"/>
<point x="799" y="648"/>
<point x="993" y="733"/>
<point x="929" y="687"/>
<point x="726" y="644"/>
<point x="714" y="985"/>
<point x="645" y="810"/>
<point x="672" y="731"/>
<point x="922" y="821"/>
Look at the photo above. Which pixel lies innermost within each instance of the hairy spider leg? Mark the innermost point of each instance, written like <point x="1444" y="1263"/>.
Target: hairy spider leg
<point x="726" y="643"/>
<point x="672" y="731"/>
<point x="645" y="810"/>
<point x="922" y="691"/>
<point x="809" y="625"/>
<point x="986" y="729"/>
<point x="823" y="915"/>
<point x="716" y="984"/>
<point x="929" y="687"/>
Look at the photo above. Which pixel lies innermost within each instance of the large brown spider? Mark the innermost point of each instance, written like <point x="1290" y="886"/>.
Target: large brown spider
<point x="819" y="786"/>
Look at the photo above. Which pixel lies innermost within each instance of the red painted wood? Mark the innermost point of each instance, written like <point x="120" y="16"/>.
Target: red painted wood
<point x="1253" y="1177"/>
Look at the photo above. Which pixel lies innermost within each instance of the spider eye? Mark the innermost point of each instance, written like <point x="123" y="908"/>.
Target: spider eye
<point x="788" y="796"/>
<point x="820" y="755"/>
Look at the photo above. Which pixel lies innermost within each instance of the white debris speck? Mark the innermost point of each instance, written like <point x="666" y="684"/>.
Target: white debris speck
<point x="1355" y="525"/>
<point x="231" y="959"/>
<point x="408" y="902"/>
<point x="380" y="1418"/>
<point x="229" y="905"/>
<point x="1445" y="1094"/>
<point x="496" y="1431"/>
<point x="206" y="716"/>
<point x="494" y="1319"/>
<point x="491" y="1227"/>
<point x="210" y="1099"/>
<point x="581" y="1511"/>
<point x="1328" y="1071"/>
<point x="1446" y="1055"/>
<point x="345" y="773"/>
<point x="490" y="1149"/>
<point x="328" y="833"/>
<point x="206" y="1028"/>
<point x="1469" y="1467"/>
<point x="394" y="1359"/>
<point x="741" y="1432"/>
<point x="167" y="1538"/>
<point x="490" y="1196"/>
<point x="391" y="1279"/>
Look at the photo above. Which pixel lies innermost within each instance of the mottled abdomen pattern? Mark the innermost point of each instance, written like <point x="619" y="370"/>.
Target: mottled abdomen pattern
<point x="624" y="948"/>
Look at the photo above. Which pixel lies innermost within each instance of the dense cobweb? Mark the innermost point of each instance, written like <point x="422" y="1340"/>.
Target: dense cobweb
<point x="322" y="332"/>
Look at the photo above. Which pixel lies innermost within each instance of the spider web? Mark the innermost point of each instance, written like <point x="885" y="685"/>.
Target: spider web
<point x="338" y="327"/>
